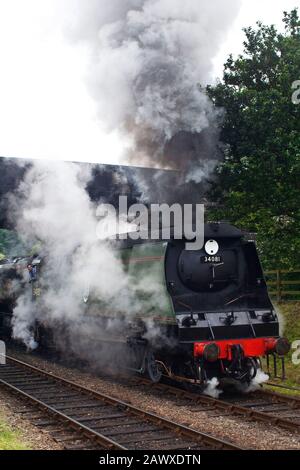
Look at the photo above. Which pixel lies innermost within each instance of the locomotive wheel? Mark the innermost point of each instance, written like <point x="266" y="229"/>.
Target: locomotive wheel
<point x="152" y="368"/>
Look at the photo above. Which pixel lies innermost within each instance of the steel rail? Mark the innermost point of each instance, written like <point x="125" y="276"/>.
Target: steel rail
<point x="234" y="408"/>
<point x="285" y="387"/>
<point x="178" y="430"/>
<point x="102" y="440"/>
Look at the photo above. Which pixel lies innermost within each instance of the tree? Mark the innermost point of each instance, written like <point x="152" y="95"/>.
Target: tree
<point x="258" y="182"/>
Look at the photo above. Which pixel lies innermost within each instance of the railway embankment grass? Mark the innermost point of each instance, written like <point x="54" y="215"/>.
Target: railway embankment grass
<point x="10" y="439"/>
<point x="291" y="329"/>
<point x="290" y="318"/>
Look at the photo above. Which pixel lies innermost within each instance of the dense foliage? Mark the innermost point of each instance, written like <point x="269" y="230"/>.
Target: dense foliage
<point x="10" y="244"/>
<point x="259" y="180"/>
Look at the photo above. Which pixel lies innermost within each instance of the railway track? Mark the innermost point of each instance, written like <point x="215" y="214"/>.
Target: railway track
<point x="284" y="387"/>
<point x="281" y="411"/>
<point x="80" y="418"/>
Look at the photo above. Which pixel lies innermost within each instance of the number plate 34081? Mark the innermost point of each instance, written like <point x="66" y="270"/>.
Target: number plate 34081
<point x="211" y="259"/>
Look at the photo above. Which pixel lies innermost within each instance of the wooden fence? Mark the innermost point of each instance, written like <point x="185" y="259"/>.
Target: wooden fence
<point x="284" y="285"/>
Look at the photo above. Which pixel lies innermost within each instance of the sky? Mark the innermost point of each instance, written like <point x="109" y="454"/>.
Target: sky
<point x="46" y="110"/>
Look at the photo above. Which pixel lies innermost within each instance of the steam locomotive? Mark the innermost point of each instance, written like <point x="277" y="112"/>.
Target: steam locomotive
<point x="214" y="318"/>
<point x="217" y="310"/>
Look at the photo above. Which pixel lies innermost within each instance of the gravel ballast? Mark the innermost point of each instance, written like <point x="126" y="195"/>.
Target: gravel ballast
<point x="247" y="434"/>
<point x="33" y="437"/>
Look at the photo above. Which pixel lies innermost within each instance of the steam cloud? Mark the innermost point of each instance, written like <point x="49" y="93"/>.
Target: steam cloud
<point x="260" y="378"/>
<point x="149" y="60"/>
<point x="52" y="207"/>
<point x="212" y="389"/>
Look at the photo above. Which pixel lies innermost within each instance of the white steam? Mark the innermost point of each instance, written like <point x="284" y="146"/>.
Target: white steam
<point x="22" y="321"/>
<point x="281" y="320"/>
<point x="260" y="378"/>
<point x="52" y="207"/>
<point x="148" y="61"/>
<point x="211" y="388"/>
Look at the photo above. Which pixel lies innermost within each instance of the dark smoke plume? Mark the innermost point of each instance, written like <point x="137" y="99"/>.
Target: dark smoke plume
<point x="149" y="62"/>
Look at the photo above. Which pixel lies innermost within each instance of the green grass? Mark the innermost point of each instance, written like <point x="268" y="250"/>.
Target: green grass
<point x="290" y="312"/>
<point x="291" y="315"/>
<point x="10" y="440"/>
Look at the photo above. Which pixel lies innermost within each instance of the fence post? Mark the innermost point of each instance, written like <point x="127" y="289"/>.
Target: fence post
<point x="278" y="285"/>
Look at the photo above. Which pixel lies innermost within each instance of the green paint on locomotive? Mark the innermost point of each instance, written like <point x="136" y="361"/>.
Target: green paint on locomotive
<point x="146" y="271"/>
<point x="144" y="266"/>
